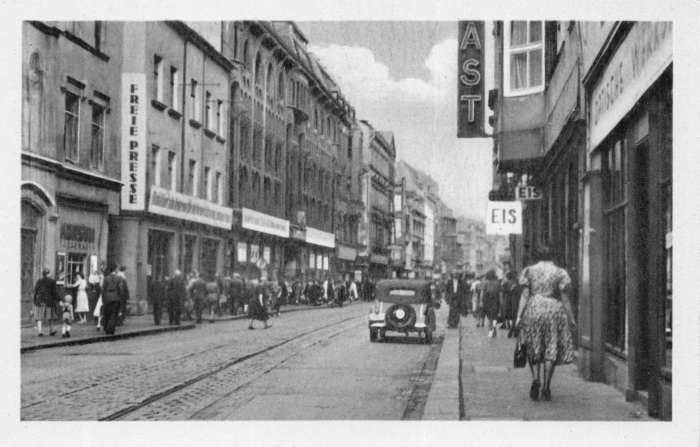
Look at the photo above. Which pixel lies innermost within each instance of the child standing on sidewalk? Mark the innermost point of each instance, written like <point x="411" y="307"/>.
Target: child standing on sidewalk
<point x="67" y="315"/>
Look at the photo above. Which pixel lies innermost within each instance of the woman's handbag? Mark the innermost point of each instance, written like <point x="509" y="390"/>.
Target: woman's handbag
<point x="520" y="355"/>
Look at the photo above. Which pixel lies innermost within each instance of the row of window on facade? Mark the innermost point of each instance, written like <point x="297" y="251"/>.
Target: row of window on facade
<point x="163" y="174"/>
<point x="326" y="125"/>
<point x="214" y="111"/>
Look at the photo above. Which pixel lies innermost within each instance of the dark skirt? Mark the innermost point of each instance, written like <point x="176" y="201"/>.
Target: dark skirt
<point x="257" y="311"/>
<point x="491" y="306"/>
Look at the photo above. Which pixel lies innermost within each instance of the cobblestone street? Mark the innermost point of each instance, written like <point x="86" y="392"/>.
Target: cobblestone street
<point x="117" y="376"/>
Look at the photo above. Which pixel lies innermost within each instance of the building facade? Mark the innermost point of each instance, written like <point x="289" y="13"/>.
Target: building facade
<point x="583" y="111"/>
<point x="71" y="148"/>
<point x="175" y="149"/>
<point x="379" y="157"/>
<point x="293" y="153"/>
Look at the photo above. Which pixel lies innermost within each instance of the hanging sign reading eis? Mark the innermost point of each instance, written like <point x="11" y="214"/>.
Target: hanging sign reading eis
<point x="471" y="82"/>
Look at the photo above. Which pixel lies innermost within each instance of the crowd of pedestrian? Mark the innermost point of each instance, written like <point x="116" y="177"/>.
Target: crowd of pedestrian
<point x="196" y="296"/>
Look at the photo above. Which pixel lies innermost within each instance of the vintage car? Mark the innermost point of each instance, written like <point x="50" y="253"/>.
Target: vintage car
<point x="403" y="305"/>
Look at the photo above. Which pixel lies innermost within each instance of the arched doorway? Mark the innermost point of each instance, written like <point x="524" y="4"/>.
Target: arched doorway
<point x="31" y="229"/>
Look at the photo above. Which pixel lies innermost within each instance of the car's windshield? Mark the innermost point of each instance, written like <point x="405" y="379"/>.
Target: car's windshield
<point x="403" y="296"/>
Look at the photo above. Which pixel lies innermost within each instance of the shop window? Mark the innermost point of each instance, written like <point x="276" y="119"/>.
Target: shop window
<point x="174" y="75"/>
<point x="71" y="126"/>
<point x="188" y="249"/>
<point x="98" y="137"/>
<point x="614" y="165"/>
<point x="76" y="265"/>
<point x="158" y="78"/>
<point x="524" y="61"/>
<point x="665" y="127"/>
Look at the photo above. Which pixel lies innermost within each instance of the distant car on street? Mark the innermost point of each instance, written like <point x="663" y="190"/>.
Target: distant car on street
<point x="403" y="305"/>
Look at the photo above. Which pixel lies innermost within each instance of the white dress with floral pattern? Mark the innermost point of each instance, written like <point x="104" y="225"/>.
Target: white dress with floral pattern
<point x="545" y="326"/>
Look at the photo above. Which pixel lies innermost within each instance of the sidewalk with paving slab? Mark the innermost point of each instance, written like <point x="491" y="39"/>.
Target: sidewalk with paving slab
<point x="479" y="370"/>
<point x="134" y="326"/>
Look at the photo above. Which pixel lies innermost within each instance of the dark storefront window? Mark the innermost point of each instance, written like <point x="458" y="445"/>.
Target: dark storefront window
<point x="614" y="165"/>
<point x="666" y="188"/>
<point x="188" y="258"/>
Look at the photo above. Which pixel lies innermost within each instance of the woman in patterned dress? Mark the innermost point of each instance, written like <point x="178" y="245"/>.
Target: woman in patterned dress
<point x="544" y="316"/>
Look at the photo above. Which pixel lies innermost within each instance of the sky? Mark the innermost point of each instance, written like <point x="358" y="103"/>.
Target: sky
<point x="402" y="77"/>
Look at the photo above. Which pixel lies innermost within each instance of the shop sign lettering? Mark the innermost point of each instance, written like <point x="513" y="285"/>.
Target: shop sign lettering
<point x="180" y="206"/>
<point x="645" y="53"/>
<point x="264" y="223"/>
<point x="471" y="82"/>
<point x="504" y="217"/>
<point x="133" y="141"/>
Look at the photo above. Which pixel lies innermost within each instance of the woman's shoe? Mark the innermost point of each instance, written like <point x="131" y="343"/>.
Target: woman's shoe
<point x="546" y="394"/>
<point x="251" y="327"/>
<point x="535" y="390"/>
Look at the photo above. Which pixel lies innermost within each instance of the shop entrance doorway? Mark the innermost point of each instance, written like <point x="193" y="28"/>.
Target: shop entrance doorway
<point x="27" y="270"/>
<point x="159" y="253"/>
<point x="209" y="255"/>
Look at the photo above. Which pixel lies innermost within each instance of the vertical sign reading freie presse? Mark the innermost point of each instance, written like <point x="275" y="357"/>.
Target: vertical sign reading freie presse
<point x="133" y="141"/>
<point x="471" y="80"/>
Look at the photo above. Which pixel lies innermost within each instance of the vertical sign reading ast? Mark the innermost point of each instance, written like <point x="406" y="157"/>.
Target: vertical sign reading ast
<point x="133" y="141"/>
<point x="471" y="83"/>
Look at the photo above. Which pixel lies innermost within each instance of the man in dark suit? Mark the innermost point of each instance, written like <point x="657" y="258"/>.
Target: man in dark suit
<point x="45" y="299"/>
<point x="176" y="296"/>
<point x="159" y="292"/>
<point x="455" y="297"/>
<point x="113" y="294"/>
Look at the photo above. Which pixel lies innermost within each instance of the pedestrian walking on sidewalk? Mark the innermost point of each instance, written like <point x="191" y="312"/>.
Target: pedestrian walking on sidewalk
<point x="454" y="293"/>
<point x="159" y="292"/>
<point x="491" y="299"/>
<point x="475" y="291"/>
<point x="213" y="289"/>
<point x="544" y="315"/>
<point x="198" y="293"/>
<point x="257" y="309"/>
<point x="124" y="303"/>
<point x="45" y="300"/>
<point x="113" y="295"/>
<point x="510" y="298"/>
<point x="67" y="315"/>
<point x="177" y="294"/>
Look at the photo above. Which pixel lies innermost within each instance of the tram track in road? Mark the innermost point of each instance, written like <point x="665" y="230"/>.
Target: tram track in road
<point x="211" y="375"/>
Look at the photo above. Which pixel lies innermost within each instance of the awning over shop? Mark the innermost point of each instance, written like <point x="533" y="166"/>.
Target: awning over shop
<point x="264" y="223"/>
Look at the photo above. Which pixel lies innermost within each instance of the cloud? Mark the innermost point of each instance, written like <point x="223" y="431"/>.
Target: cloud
<point x="423" y="116"/>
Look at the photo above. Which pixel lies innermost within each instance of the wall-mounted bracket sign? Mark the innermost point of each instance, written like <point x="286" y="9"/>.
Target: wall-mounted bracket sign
<point x="471" y="81"/>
